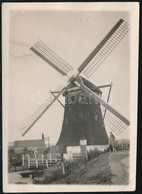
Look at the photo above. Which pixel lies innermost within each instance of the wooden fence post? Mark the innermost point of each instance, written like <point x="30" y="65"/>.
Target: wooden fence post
<point x="42" y="157"/>
<point x="50" y="157"/>
<point x="28" y="161"/>
<point x="36" y="163"/>
<point x="35" y="155"/>
<point x="62" y="164"/>
<point x="63" y="168"/>
<point x="86" y="154"/>
<point x="47" y="163"/>
<point x="23" y="160"/>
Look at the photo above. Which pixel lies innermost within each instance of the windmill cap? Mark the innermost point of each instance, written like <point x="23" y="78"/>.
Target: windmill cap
<point x="91" y="86"/>
<point x="87" y="83"/>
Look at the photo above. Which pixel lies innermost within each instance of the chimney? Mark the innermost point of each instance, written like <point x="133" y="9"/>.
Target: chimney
<point x="42" y="136"/>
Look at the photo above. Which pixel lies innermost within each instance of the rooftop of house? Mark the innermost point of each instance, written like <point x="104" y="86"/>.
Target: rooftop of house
<point x="29" y="143"/>
<point x="123" y="141"/>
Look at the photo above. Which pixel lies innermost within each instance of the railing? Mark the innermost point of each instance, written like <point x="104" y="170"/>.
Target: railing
<point x="43" y="161"/>
<point x="122" y="147"/>
<point x="80" y="156"/>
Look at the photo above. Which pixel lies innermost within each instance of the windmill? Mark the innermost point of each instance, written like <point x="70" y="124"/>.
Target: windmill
<point x="82" y="120"/>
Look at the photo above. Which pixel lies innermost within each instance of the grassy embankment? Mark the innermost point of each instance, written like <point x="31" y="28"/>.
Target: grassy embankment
<point x="107" y="168"/>
<point x="94" y="171"/>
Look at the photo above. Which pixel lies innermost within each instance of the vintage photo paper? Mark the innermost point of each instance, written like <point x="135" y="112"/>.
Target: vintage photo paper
<point x="70" y="74"/>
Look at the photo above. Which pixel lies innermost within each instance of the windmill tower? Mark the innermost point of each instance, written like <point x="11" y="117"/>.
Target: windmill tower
<point x="82" y="120"/>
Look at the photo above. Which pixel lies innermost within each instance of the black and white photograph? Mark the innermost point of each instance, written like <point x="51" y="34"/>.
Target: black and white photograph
<point x="70" y="75"/>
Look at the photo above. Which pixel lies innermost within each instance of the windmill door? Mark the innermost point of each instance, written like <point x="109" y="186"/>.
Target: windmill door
<point x="83" y="145"/>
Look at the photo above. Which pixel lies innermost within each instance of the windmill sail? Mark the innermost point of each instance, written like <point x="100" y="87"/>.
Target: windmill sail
<point x="113" y="122"/>
<point x="25" y="126"/>
<point x="104" y="104"/>
<point x="88" y="67"/>
<point x="104" y="49"/>
<point x="43" y="51"/>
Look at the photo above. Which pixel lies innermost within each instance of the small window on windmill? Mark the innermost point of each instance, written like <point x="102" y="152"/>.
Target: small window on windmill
<point x="66" y="121"/>
<point x="96" y="117"/>
<point x="83" y="141"/>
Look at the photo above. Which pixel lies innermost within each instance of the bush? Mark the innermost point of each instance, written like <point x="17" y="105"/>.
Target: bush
<point x="54" y="173"/>
<point x="71" y="166"/>
<point x="95" y="153"/>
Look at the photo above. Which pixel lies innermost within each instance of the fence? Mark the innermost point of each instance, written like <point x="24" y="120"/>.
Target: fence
<point x="80" y="156"/>
<point x="122" y="147"/>
<point x="39" y="161"/>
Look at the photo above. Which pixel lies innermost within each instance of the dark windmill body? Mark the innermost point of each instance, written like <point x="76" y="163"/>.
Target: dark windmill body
<point x="83" y="119"/>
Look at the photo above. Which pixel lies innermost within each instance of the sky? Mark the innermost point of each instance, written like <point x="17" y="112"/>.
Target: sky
<point x="72" y="35"/>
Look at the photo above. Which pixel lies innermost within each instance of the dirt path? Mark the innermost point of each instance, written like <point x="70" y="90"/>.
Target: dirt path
<point x="119" y="164"/>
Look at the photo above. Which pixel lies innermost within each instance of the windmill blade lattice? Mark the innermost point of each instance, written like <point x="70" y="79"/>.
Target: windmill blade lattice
<point x="25" y="126"/>
<point x="113" y="113"/>
<point x="104" y="49"/>
<point x="113" y="123"/>
<point x="43" y="51"/>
